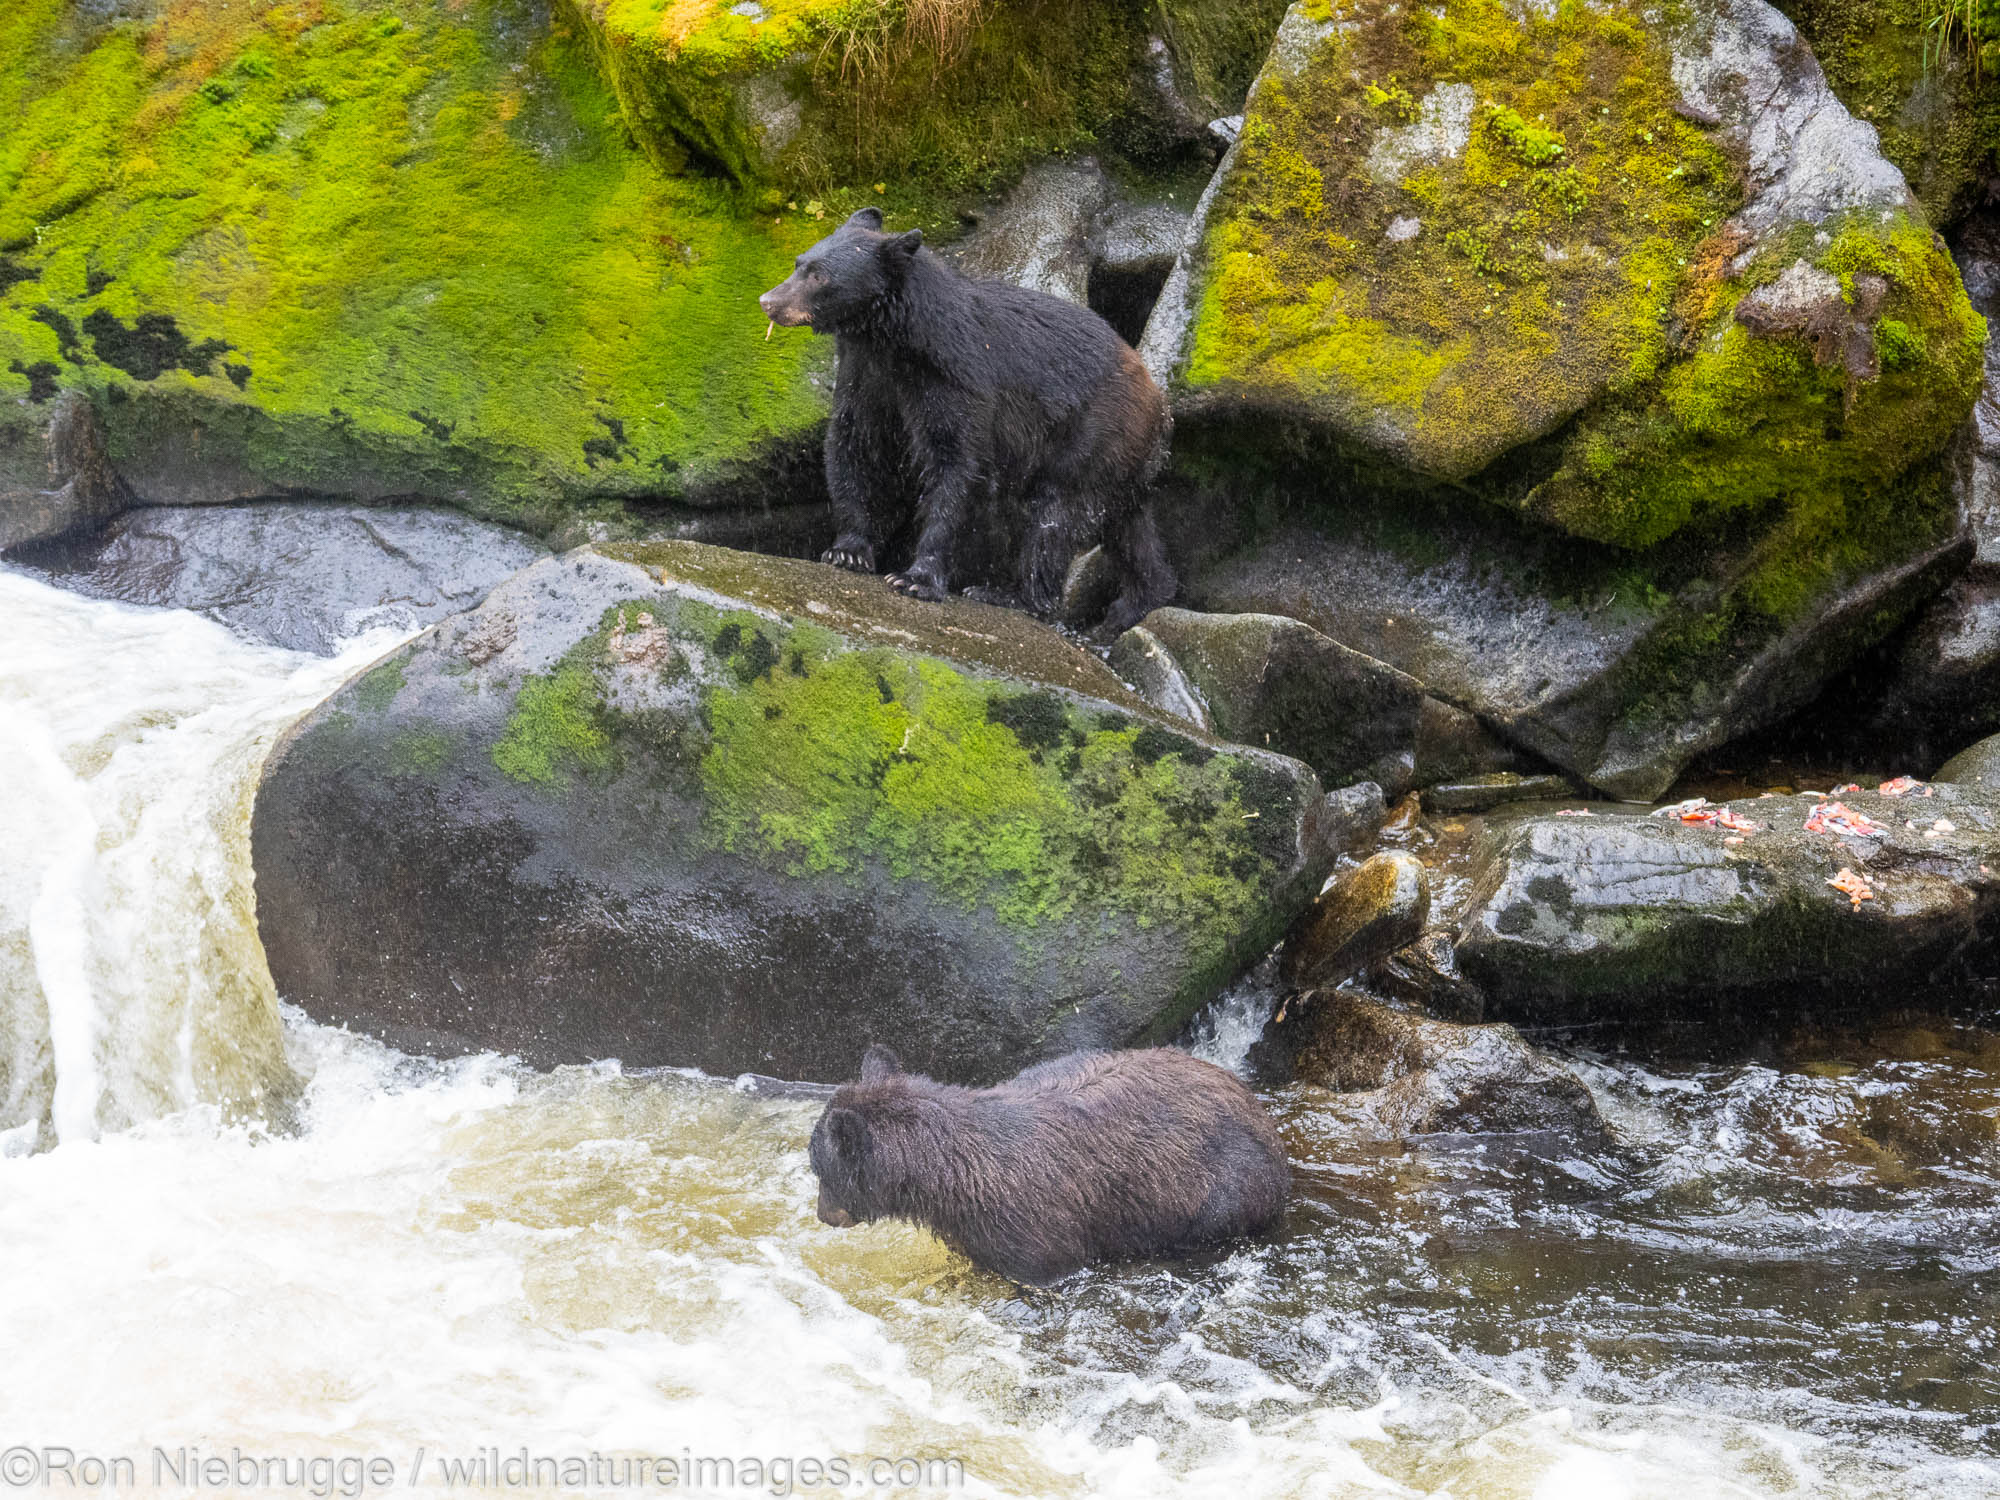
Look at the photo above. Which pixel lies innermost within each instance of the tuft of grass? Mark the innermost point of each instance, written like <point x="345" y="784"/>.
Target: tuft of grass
<point x="1971" y="27"/>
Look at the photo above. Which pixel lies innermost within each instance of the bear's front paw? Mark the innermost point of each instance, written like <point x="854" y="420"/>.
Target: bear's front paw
<point x="856" y="557"/>
<point x="919" y="583"/>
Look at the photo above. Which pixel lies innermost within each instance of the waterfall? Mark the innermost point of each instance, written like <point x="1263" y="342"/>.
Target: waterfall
<point x="132" y="982"/>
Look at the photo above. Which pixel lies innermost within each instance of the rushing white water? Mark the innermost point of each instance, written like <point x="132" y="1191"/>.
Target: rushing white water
<point x="131" y="979"/>
<point x="417" y="1263"/>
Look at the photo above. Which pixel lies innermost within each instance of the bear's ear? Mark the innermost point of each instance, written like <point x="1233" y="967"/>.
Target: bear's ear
<point x="866" y="218"/>
<point x="879" y="1063"/>
<point x="899" y="250"/>
<point x="849" y="1134"/>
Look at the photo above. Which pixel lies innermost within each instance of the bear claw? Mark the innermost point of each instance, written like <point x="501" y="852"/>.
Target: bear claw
<point x="916" y="587"/>
<point x="854" y="562"/>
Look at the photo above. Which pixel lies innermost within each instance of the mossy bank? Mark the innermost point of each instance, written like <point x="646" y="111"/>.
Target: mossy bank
<point x="377" y="247"/>
<point x="682" y="805"/>
<point x="807" y="95"/>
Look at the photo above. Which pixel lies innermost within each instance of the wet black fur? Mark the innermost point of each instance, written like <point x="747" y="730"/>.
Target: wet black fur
<point x="1095" y="1156"/>
<point x="1006" y="430"/>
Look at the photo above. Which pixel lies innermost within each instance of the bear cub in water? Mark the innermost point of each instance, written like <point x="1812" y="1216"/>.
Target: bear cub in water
<point x="1095" y="1156"/>
<point x="1006" y="429"/>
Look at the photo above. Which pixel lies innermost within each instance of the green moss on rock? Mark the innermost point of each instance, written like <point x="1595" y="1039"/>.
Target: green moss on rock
<point x="377" y="689"/>
<point x="556" y="727"/>
<point x="1444" y="287"/>
<point x="866" y="756"/>
<point x="376" y="248"/>
<point x="680" y="824"/>
<point x="814" y="94"/>
<point x="817" y="754"/>
<point x="1750" y="423"/>
<point x="1487" y="251"/>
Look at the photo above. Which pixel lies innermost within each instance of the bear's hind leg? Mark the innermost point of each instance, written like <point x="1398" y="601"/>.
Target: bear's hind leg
<point x="1148" y="578"/>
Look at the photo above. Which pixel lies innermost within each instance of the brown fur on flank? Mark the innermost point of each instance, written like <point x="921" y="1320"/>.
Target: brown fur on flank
<point x="1095" y="1156"/>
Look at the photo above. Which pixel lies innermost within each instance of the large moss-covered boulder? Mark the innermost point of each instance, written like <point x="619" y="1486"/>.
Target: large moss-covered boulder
<point x="1924" y="74"/>
<point x="369" y="248"/>
<point x="680" y="805"/>
<point x="1616" y="317"/>
<point x="810" y="94"/>
<point x="1664" y="247"/>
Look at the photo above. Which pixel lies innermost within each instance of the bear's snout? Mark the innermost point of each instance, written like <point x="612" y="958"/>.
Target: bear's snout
<point x="783" y="304"/>
<point x="839" y="1218"/>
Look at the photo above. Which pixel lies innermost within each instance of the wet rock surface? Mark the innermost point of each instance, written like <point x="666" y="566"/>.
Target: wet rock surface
<point x="1144" y="661"/>
<point x="1977" y="766"/>
<point x="1269" y="680"/>
<point x="292" y="573"/>
<point x="1352" y="816"/>
<point x="1069" y="230"/>
<point x="1422" y="1075"/>
<point x="1040" y="235"/>
<point x="1425" y="978"/>
<point x="1940" y="681"/>
<point x="1615" y="913"/>
<point x="685" y="806"/>
<point x="55" y="478"/>
<point x="1483" y="793"/>
<point x="1367" y="913"/>
<point x="1548" y="642"/>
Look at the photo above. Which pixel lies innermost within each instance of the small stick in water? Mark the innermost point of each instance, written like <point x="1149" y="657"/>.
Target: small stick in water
<point x="769" y="329"/>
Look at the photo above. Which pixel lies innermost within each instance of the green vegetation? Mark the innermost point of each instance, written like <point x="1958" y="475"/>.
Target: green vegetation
<point x="1748" y="423"/>
<point x="380" y="248"/>
<point x="810" y="95"/>
<point x="379" y="687"/>
<point x="556" y="727"/>
<point x="420" y="752"/>
<point x="1532" y="145"/>
<point x="462" y="249"/>
<point x="1562" y="225"/>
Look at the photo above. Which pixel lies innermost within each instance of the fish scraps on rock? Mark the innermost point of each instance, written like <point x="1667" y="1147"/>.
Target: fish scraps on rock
<point x="1839" y="818"/>
<point x="1575" y="812"/>
<point x="1852" y="886"/>
<point x="1682" y="810"/>
<point x="1705" y="814"/>
<point x="1904" y="786"/>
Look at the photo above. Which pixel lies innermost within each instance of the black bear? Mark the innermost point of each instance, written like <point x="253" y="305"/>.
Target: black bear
<point x="1094" y="1156"/>
<point x="1000" y="426"/>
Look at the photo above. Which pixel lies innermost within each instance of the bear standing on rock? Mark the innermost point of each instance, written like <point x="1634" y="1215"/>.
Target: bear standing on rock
<point x="998" y="425"/>
<point x="1095" y="1156"/>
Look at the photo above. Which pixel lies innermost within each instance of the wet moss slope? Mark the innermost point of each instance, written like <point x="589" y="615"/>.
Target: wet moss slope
<point x="376" y="248"/>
